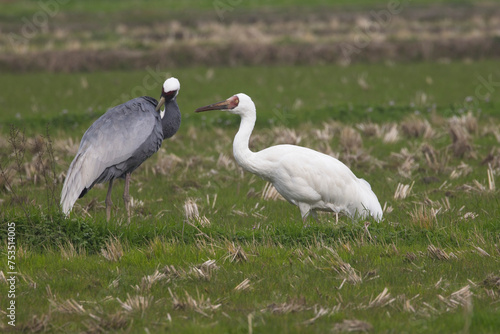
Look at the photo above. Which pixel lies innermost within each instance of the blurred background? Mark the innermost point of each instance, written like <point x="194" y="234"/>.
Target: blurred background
<point x="66" y="62"/>
<point x="65" y="35"/>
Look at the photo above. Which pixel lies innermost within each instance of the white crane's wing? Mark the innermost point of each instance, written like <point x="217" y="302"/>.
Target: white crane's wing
<point x="302" y="175"/>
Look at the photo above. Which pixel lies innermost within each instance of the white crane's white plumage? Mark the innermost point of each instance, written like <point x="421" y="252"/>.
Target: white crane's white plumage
<point x="306" y="178"/>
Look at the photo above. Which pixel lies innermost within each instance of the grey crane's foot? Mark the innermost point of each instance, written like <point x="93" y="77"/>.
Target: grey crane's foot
<point x="108" y="211"/>
<point x="126" y="196"/>
<point x="108" y="201"/>
<point x="126" y="200"/>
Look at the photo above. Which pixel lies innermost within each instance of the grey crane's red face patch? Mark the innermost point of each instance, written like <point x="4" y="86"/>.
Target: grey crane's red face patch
<point x="169" y="95"/>
<point x="228" y="104"/>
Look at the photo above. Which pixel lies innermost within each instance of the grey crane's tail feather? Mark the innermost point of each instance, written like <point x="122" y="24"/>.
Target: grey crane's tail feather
<point x="76" y="182"/>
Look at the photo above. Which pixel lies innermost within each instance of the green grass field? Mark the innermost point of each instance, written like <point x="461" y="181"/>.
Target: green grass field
<point x="213" y="249"/>
<point x="436" y="251"/>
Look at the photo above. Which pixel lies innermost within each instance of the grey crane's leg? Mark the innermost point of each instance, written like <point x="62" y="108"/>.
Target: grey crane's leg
<point x="108" y="202"/>
<point x="126" y="196"/>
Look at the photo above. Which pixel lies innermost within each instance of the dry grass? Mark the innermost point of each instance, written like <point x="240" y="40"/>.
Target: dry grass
<point x="369" y="129"/>
<point x="283" y="135"/>
<point x="350" y="140"/>
<point x="481" y="251"/>
<point x="37" y="324"/>
<point x="206" y="270"/>
<point x="424" y="217"/>
<point x="191" y="209"/>
<point x="165" y="163"/>
<point x="492" y="281"/>
<point x="200" y="304"/>
<point x="390" y="133"/>
<point x="244" y="285"/>
<point x="290" y="306"/>
<point x="344" y="269"/>
<point x="352" y="325"/>
<point x="3" y="279"/>
<point x="235" y="253"/>
<point x="403" y="190"/>
<point x="319" y="312"/>
<point x="113" y="322"/>
<point x="349" y="273"/>
<point x="148" y="281"/>
<point x="439" y="254"/>
<point x="137" y="303"/>
<point x="70" y="306"/>
<point x="459" y="298"/>
<point x="417" y="128"/>
<point x="383" y="299"/>
<point x="114" y="250"/>
<point x="461" y="142"/>
<point x="172" y="272"/>
<point x="491" y="179"/>
<point x="68" y="251"/>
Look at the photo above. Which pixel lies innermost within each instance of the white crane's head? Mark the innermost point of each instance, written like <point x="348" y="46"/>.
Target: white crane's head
<point x="169" y="91"/>
<point x="239" y="104"/>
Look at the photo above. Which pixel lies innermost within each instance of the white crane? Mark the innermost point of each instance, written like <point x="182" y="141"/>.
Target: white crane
<point x="306" y="178"/>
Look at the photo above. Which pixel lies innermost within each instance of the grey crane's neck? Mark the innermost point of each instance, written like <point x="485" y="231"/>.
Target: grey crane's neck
<point x="241" y="151"/>
<point x="171" y="121"/>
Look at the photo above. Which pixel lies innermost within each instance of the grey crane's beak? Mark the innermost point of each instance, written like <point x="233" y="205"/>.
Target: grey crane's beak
<point x="228" y="104"/>
<point x="160" y="103"/>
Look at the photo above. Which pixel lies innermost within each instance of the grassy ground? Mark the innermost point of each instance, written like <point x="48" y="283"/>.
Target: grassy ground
<point x="214" y="249"/>
<point x="210" y="249"/>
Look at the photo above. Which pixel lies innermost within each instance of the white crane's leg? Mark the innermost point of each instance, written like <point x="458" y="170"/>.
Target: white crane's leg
<point x="305" y="211"/>
<point x="314" y="214"/>
<point x="108" y="202"/>
<point x="126" y="196"/>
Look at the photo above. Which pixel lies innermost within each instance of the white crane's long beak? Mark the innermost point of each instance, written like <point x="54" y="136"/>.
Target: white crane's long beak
<point x="228" y="104"/>
<point x="160" y="104"/>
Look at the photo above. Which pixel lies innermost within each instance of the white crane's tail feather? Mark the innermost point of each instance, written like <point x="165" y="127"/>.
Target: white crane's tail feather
<point x="370" y="201"/>
<point x="81" y="174"/>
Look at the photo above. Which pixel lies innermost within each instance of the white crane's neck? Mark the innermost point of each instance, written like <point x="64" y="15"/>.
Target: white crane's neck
<point x="241" y="150"/>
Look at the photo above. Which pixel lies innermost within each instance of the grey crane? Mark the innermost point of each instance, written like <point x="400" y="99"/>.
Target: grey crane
<point x="119" y="142"/>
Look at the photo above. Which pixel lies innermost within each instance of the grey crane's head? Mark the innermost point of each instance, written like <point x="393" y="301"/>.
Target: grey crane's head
<point x="239" y="104"/>
<point x="169" y="91"/>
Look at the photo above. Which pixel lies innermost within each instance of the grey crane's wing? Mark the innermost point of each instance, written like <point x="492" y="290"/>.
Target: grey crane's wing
<point x="117" y="136"/>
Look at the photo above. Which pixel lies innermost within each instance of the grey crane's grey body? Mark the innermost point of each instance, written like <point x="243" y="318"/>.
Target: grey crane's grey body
<point x="119" y="142"/>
